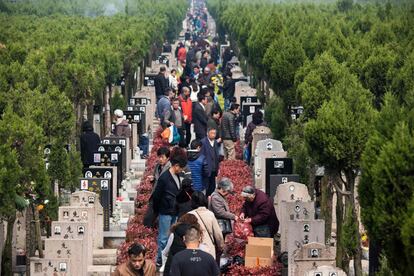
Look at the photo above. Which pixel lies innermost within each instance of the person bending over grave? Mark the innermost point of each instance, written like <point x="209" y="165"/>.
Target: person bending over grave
<point x="89" y="141"/>
<point x="136" y="264"/>
<point x="258" y="210"/>
<point x="193" y="261"/>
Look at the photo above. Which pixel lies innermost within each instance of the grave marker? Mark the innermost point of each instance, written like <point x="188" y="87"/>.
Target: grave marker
<point x="311" y="256"/>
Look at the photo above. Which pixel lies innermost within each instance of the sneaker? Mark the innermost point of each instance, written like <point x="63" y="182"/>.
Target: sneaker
<point x="158" y="264"/>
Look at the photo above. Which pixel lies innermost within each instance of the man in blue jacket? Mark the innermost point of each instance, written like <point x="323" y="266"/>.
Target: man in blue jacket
<point x="210" y="149"/>
<point x="198" y="165"/>
<point x="164" y="104"/>
<point x="164" y="200"/>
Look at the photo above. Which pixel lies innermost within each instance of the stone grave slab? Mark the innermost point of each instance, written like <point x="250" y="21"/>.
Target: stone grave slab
<point x="310" y="256"/>
<point x="260" y="166"/>
<point x="121" y="151"/>
<point x="86" y="214"/>
<point x="100" y="186"/>
<point x="136" y="114"/>
<point x="276" y="179"/>
<point x="50" y="266"/>
<point x="292" y="211"/>
<point x="74" y="249"/>
<point x="75" y="230"/>
<point x="110" y="159"/>
<point x="243" y="89"/>
<point x="248" y="109"/>
<point x="260" y="133"/>
<point x="105" y="172"/>
<point x="325" y="271"/>
<point x="290" y="191"/>
<point x="301" y="232"/>
<point x="125" y="142"/>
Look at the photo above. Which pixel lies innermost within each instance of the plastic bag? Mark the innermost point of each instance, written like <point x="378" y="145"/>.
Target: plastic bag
<point x="165" y="134"/>
<point x="174" y="136"/>
<point x="242" y="230"/>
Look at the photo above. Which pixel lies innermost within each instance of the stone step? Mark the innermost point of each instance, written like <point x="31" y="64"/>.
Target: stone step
<point x="113" y="239"/>
<point x="104" y="257"/>
<point x="100" y="270"/>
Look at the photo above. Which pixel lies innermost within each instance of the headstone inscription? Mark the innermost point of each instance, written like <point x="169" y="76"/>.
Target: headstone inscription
<point x="311" y="256"/>
<point x="100" y="186"/>
<point x="107" y="173"/>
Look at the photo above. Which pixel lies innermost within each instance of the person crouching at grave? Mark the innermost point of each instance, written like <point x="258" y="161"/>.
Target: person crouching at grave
<point x="163" y="164"/>
<point x="136" y="264"/>
<point x="89" y="141"/>
<point x="192" y="260"/>
<point x="121" y="125"/>
<point x="258" y="210"/>
<point x="198" y="165"/>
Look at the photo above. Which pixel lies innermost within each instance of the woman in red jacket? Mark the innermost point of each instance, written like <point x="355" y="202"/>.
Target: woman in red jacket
<point x="187" y="108"/>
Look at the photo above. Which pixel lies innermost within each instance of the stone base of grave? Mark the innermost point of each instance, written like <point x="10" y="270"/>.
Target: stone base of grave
<point x="100" y="270"/>
<point x="104" y="256"/>
<point x="113" y="239"/>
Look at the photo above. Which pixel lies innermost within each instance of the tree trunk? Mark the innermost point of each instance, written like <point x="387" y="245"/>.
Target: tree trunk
<point x="350" y="179"/>
<point x="6" y="261"/>
<point x="342" y="259"/>
<point x="326" y="205"/>
<point x="38" y="237"/>
<point x="107" y="112"/>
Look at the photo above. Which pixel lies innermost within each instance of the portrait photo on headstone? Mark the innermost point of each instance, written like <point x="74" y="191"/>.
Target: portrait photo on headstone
<point x="91" y="199"/>
<point x="107" y="174"/>
<point x="65" y="214"/>
<point x="101" y="148"/>
<point x="114" y="157"/>
<point x="314" y="253"/>
<point x="97" y="157"/>
<point x="81" y="230"/>
<point x="63" y="267"/>
<point x="104" y="185"/>
<point x="57" y="230"/>
<point x="88" y="174"/>
<point x="84" y="184"/>
<point x="306" y="228"/>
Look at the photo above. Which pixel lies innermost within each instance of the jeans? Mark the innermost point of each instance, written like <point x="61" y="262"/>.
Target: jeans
<point x="187" y="127"/>
<point x="262" y="231"/>
<point x="227" y="104"/>
<point x="211" y="184"/>
<point x="164" y="225"/>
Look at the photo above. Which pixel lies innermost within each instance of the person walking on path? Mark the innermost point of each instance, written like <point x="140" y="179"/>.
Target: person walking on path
<point x="187" y="108"/>
<point x="197" y="163"/>
<point x="164" y="200"/>
<point x="174" y="117"/>
<point x="257" y="120"/>
<point x="258" y="210"/>
<point x="89" y="141"/>
<point x="229" y="134"/>
<point x="210" y="149"/>
<point x="164" y="104"/>
<point x="212" y="236"/>
<point x="200" y="117"/>
<point x="160" y="83"/>
<point x="193" y="261"/>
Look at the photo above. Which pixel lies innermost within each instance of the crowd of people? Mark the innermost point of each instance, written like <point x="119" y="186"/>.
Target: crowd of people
<point x="187" y="206"/>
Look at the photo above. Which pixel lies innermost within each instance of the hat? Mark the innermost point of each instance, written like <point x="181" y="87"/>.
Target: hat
<point x="248" y="191"/>
<point x="119" y="113"/>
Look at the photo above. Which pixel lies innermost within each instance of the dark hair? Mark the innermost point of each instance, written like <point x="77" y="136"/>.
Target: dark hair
<point x="257" y="117"/>
<point x="167" y="91"/>
<point x="234" y="106"/>
<point x="179" y="160"/>
<point x="196" y="66"/>
<point x="186" y="183"/>
<point x="195" y="144"/>
<point x="215" y="111"/>
<point x="230" y="74"/>
<point x="87" y="126"/>
<point x="198" y="199"/>
<point x="201" y="96"/>
<point x="137" y="249"/>
<point x="175" y="100"/>
<point x="163" y="151"/>
<point x="163" y="69"/>
<point x="173" y="70"/>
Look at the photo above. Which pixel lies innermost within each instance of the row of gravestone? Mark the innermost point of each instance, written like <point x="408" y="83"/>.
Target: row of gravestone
<point x="79" y="230"/>
<point x="302" y="236"/>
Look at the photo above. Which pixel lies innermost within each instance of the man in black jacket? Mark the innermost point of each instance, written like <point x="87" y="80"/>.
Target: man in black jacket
<point x="229" y="134"/>
<point x="200" y="118"/>
<point x="160" y="83"/>
<point x="210" y="149"/>
<point x="229" y="89"/>
<point x="164" y="200"/>
<point x="89" y="141"/>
